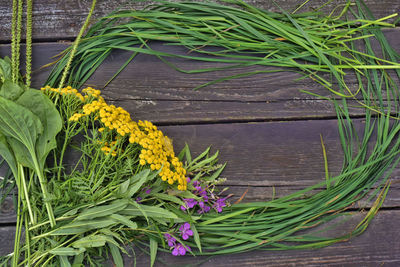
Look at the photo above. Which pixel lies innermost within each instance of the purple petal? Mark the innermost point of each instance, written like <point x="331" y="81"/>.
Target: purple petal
<point x="186" y="226"/>
<point x="189" y="232"/>
<point x="182" y="250"/>
<point x="185" y="236"/>
<point x="183" y="208"/>
<point x="175" y="252"/>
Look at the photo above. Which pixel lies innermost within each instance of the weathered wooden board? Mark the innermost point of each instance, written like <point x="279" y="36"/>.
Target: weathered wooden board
<point x="54" y="19"/>
<point x="378" y="246"/>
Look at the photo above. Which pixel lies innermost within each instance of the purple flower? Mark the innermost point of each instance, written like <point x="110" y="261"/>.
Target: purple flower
<point x="171" y="240"/>
<point x="147" y="190"/>
<point x="185" y="231"/>
<point x="139" y="199"/>
<point x="189" y="203"/>
<point x="180" y="250"/>
<point x="188" y="179"/>
<point x="200" y="191"/>
<point x="196" y="183"/>
<point x="219" y="204"/>
<point x="203" y="208"/>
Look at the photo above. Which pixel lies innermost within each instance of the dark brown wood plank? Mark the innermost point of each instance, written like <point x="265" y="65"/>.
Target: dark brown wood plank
<point x="54" y="19"/>
<point x="378" y="246"/>
<point x="7" y="212"/>
<point x="6" y="240"/>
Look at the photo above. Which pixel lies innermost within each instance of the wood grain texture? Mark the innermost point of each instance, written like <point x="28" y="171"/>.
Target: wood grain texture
<point x="6" y="240"/>
<point x="54" y="19"/>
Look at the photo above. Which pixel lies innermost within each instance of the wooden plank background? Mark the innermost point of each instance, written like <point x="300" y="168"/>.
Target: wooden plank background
<point x="263" y="126"/>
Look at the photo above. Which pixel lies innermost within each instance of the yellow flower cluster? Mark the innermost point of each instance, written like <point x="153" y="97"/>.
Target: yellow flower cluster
<point x="64" y="91"/>
<point x="157" y="151"/>
<point x="107" y="149"/>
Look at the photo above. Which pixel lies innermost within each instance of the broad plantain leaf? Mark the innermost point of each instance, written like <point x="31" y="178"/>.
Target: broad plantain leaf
<point x="41" y="106"/>
<point x="7" y="154"/>
<point x="21" y="128"/>
<point x="10" y="90"/>
<point x="5" y="69"/>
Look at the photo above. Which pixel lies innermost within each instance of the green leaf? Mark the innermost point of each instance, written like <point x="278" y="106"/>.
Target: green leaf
<point x="123" y="187"/>
<point x="22" y="153"/>
<point x="21" y="128"/>
<point x="8" y="154"/>
<point x="78" y="260"/>
<point x="64" y="261"/>
<point x="10" y="90"/>
<point x="168" y="198"/>
<point x="41" y="106"/>
<point x="153" y="251"/>
<point x="65" y="251"/>
<point x="91" y="241"/>
<point x="5" y="69"/>
<point x="123" y="220"/>
<point x="79" y="227"/>
<point x="138" y="180"/>
<point x="116" y="254"/>
<point x="103" y="210"/>
<point x="150" y="211"/>
<point x="196" y="236"/>
<point x="215" y="174"/>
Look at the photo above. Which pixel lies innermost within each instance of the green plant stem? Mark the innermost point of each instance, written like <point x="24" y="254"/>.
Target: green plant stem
<point x="64" y="147"/>
<point x="28" y="241"/>
<point x="25" y="191"/>
<point x="18" y="228"/>
<point x="77" y="40"/>
<point x="43" y="186"/>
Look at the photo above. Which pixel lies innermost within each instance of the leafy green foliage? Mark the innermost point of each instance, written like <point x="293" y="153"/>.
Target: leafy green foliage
<point x="10" y="90"/>
<point x="50" y="119"/>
